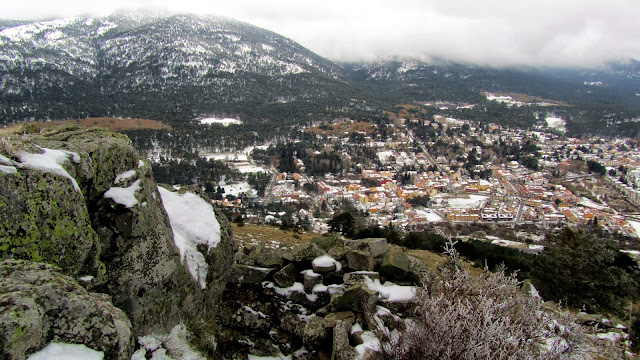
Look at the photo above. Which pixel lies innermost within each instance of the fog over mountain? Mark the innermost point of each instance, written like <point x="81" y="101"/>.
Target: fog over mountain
<point x="496" y="32"/>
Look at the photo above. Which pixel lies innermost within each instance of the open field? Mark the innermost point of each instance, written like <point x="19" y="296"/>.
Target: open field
<point x="532" y="99"/>
<point x="112" y="124"/>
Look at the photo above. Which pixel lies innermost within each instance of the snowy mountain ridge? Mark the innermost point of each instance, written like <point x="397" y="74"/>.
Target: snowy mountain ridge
<point x="148" y="53"/>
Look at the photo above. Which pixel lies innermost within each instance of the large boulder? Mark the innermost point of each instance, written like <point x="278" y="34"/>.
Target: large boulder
<point x="286" y="276"/>
<point x="84" y="200"/>
<point x="356" y="298"/>
<point x="395" y="264"/>
<point x="360" y="260"/>
<point x="341" y="350"/>
<point x="39" y="304"/>
<point x="43" y="214"/>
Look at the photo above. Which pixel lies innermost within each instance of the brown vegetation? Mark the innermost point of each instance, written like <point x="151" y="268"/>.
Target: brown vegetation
<point x="112" y="124"/>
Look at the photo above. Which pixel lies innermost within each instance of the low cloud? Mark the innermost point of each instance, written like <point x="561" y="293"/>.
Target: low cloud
<point x="494" y="32"/>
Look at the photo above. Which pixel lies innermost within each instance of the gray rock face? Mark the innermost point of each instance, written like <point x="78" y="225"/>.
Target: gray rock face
<point x="357" y="298"/>
<point x="360" y="260"/>
<point x="377" y="246"/>
<point x="315" y="333"/>
<point x="353" y="278"/>
<point x="38" y="305"/>
<point x="311" y="279"/>
<point x="113" y="227"/>
<point x="395" y="264"/>
<point x="418" y="271"/>
<point x="286" y="276"/>
<point x="246" y="274"/>
<point x="341" y="348"/>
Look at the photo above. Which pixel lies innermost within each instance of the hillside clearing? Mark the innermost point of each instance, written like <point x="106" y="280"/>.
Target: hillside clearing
<point x="108" y="123"/>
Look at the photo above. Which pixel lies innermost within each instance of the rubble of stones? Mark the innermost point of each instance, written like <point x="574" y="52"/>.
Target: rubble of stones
<point x="320" y="300"/>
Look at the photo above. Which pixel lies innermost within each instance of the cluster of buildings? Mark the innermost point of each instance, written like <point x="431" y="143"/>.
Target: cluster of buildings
<point x="409" y="184"/>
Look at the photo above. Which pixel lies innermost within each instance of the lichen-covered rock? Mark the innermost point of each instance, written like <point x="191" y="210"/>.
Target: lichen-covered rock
<point x="267" y="257"/>
<point x="418" y="271"/>
<point x="360" y="260"/>
<point x="331" y="319"/>
<point x="353" y="278"/>
<point x="395" y="264"/>
<point x="311" y="279"/>
<point x="357" y="298"/>
<point x="246" y="274"/>
<point x="315" y="333"/>
<point x="305" y="252"/>
<point x="341" y="348"/>
<point x="44" y="218"/>
<point x="94" y="209"/>
<point x="286" y="276"/>
<point x="375" y="246"/>
<point x="39" y="304"/>
<point x="326" y="242"/>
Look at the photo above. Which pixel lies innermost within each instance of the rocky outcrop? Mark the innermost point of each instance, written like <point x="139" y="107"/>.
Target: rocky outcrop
<point x="329" y="303"/>
<point x="85" y="201"/>
<point x="40" y="305"/>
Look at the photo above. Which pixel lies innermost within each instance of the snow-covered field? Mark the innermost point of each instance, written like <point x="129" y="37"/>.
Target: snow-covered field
<point x="237" y="189"/>
<point x="473" y="201"/>
<point x="227" y="156"/>
<point x="430" y="215"/>
<point x="590" y="203"/>
<point x="635" y="225"/>
<point x="384" y="156"/>
<point x="556" y="123"/>
<point x="250" y="168"/>
<point x="220" y="121"/>
<point x="503" y="99"/>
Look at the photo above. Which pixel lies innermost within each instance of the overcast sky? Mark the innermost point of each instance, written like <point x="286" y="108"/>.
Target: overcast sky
<point x="499" y="32"/>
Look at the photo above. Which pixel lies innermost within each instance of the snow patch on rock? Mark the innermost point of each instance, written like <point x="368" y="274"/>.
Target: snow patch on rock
<point x="62" y="351"/>
<point x="194" y="223"/>
<point x="50" y="161"/>
<point x="124" y="196"/>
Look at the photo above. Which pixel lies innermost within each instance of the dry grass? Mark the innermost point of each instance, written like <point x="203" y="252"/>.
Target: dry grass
<point x="274" y="237"/>
<point x="433" y="260"/>
<point x="270" y="235"/>
<point x="112" y="124"/>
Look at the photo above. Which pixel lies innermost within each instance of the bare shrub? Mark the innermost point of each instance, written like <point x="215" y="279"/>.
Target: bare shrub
<point x="487" y="317"/>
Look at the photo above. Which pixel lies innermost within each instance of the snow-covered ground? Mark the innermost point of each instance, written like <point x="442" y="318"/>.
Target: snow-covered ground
<point x="635" y="225"/>
<point x="384" y="156"/>
<point x="473" y="201"/>
<point x="556" y="123"/>
<point x="503" y="99"/>
<point x="61" y="351"/>
<point x="430" y="215"/>
<point x="391" y="291"/>
<point x="220" y="121"/>
<point x="227" y="156"/>
<point x="250" y="168"/>
<point x="237" y="189"/>
<point x="590" y="203"/>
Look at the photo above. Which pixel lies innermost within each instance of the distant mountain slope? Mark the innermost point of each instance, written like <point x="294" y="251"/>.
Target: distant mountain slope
<point x="179" y="67"/>
<point x="616" y="83"/>
<point x="145" y="64"/>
